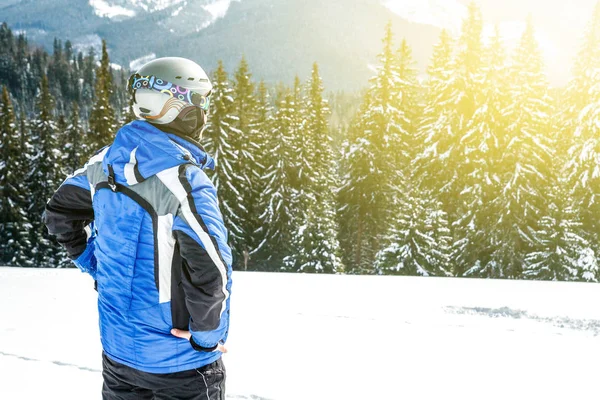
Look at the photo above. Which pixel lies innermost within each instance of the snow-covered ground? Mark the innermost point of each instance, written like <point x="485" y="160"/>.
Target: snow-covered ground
<point x="331" y="337"/>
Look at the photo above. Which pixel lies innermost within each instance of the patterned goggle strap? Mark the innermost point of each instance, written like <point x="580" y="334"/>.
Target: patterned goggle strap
<point x="137" y="81"/>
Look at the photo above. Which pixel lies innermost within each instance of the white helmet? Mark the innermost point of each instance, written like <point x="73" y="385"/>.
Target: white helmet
<point x="164" y="87"/>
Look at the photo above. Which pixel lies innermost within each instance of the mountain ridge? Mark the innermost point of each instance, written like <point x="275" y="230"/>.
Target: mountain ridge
<point x="282" y="39"/>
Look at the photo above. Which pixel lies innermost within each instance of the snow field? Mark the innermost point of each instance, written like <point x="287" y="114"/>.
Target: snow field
<point x="296" y="336"/>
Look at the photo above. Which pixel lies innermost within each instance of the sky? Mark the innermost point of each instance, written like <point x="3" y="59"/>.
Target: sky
<point x="559" y="24"/>
<point x="560" y="27"/>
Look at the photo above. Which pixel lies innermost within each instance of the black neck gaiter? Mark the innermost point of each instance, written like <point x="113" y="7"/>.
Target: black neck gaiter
<point x="188" y="124"/>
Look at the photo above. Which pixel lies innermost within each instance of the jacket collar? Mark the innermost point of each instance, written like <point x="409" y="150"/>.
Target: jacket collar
<point x="146" y="150"/>
<point x="194" y="150"/>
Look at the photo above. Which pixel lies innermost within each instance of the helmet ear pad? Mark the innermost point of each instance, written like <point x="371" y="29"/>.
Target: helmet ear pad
<point x="156" y="107"/>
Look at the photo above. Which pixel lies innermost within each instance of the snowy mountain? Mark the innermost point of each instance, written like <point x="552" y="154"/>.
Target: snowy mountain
<point x="445" y="14"/>
<point x="283" y="38"/>
<point x="128" y="8"/>
<point x="297" y="336"/>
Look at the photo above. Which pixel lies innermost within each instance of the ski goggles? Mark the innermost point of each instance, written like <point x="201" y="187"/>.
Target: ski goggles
<point x="137" y="81"/>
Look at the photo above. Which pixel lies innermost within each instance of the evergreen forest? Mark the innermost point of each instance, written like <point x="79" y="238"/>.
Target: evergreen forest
<point x="478" y="169"/>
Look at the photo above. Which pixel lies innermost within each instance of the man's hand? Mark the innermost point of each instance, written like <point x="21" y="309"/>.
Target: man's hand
<point x="187" y="335"/>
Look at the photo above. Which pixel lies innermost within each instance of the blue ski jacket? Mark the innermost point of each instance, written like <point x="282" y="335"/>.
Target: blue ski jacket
<point x="142" y="218"/>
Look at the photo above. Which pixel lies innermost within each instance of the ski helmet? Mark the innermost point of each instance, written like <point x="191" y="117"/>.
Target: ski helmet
<point x="165" y="87"/>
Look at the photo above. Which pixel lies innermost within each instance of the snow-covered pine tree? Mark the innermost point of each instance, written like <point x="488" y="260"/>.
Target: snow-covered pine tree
<point x="436" y="136"/>
<point x="560" y="252"/>
<point x="45" y="175"/>
<point x="122" y="99"/>
<point x="317" y="134"/>
<point x="14" y="226"/>
<point x="582" y="133"/>
<point x="102" y="123"/>
<point x="483" y="146"/>
<point x="526" y="162"/>
<point x="366" y="191"/>
<point x="417" y="242"/>
<point x="300" y="175"/>
<point x="241" y="197"/>
<point x="277" y="197"/>
<point x="469" y="64"/>
<point x="127" y="114"/>
<point x="218" y="127"/>
<point x="73" y="150"/>
<point x="87" y="67"/>
<point x="61" y="128"/>
<point x="318" y="249"/>
<point x="58" y="76"/>
<point x="23" y="75"/>
<point x="61" y="137"/>
<point x="407" y="93"/>
<point x="75" y="77"/>
<point x="446" y="167"/>
<point x="301" y="146"/>
<point x="218" y="137"/>
<point x="468" y="166"/>
<point x="353" y="193"/>
<point x="419" y="239"/>
<point x="262" y="128"/>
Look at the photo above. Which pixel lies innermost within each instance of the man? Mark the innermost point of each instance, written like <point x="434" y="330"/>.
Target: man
<point x="142" y="218"/>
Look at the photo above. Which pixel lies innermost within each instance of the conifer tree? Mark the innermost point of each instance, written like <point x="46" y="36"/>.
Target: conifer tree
<point x="44" y="177"/>
<point x="61" y="136"/>
<point x="471" y="143"/>
<point x="75" y="78"/>
<point x="301" y="144"/>
<point x="372" y="165"/>
<point x="357" y="247"/>
<point x="435" y="137"/>
<point x="446" y="166"/>
<point x="102" y="116"/>
<point x="277" y="198"/>
<point x="87" y="67"/>
<point x="58" y="76"/>
<point x="317" y="247"/>
<point x="525" y="166"/>
<point x="23" y="75"/>
<point x="218" y="129"/>
<point x="406" y="91"/>
<point x="582" y="133"/>
<point x="299" y="175"/>
<point x="264" y="143"/>
<point x="484" y="144"/>
<point x="243" y="199"/>
<point x="418" y="241"/>
<point x="14" y="226"/>
<point x="220" y="141"/>
<point x="73" y="151"/>
<point x="560" y="250"/>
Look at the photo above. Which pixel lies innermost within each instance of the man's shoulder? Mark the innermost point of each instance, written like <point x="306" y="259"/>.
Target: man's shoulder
<point x="185" y="180"/>
<point x="196" y="177"/>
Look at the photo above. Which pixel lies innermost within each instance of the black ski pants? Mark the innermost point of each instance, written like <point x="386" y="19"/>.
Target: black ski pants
<point x="125" y="383"/>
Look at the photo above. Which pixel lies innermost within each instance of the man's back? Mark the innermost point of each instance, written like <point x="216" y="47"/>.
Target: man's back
<point x="160" y="247"/>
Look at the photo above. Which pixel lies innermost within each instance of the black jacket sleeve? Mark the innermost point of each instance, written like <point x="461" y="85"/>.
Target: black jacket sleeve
<point x="67" y="214"/>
